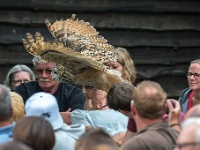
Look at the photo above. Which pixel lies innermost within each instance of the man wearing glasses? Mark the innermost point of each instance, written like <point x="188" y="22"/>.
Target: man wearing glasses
<point x="191" y="96"/>
<point x="189" y="138"/>
<point x="68" y="96"/>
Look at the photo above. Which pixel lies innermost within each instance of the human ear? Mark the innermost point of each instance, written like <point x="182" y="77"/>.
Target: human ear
<point x="132" y="108"/>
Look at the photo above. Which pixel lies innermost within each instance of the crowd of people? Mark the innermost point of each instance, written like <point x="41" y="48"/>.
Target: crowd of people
<point x="40" y="113"/>
<point x="50" y="121"/>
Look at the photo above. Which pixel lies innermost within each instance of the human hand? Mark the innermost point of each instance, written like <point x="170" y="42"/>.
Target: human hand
<point x="69" y="110"/>
<point x="174" y="111"/>
<point x="66" y="116"/>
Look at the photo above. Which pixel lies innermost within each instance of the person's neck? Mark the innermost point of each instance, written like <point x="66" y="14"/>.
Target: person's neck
<point x="51" y="90"/>
<point x="141" y="123"/>
<point x="100" y="104"/>
<point x="104" y="107"/>
<point x="197" y="95"/>
<point x="5" y="123"/>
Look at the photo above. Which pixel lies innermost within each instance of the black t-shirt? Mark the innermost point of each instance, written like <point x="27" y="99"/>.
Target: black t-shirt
<point x="68" y="96"/>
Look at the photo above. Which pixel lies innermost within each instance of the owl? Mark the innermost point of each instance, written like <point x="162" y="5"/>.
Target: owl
<point x="79" y="52"/>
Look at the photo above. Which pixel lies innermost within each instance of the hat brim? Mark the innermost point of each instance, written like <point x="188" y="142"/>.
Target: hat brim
<point x="56" y="122"/>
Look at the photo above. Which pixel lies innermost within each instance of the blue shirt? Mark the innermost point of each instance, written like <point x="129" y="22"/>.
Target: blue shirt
<point x="109" y="120"/>
<point x="6" y="133"/>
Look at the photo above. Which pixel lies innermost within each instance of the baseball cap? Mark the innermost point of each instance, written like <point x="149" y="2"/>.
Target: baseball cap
<point x="44" y="105"/>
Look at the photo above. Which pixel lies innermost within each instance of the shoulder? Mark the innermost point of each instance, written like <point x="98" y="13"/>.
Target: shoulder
<point x="27" y="89"/>
<point x="80" y="113"/>
<point x="27" y="85"/>
<point x="159" y="130"/>
<point x="69" y="86"/>
<point x="186" y="91"/>
<point x="135" y="143"/>
<point x="117" y="114"/>
<point x="6" y="133"/>
<point x="184" y="95"/>
<point x="70" y="89"/>
<point x="143" y="140"/>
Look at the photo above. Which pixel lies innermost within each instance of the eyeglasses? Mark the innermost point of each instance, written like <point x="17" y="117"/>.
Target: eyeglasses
<point x="20" y="81"/>
<point x="41" y="71"/>
<point x="181" y="145"/>
<point x="196" y="75"/>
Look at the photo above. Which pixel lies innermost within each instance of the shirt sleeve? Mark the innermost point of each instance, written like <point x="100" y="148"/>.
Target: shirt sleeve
<point x="80" y="117"/>
<point x="76" y="99"/>
<point x="131" y="125"/>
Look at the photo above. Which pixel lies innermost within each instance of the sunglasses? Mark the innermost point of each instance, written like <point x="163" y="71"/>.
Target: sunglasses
<point x="41" y="71"/>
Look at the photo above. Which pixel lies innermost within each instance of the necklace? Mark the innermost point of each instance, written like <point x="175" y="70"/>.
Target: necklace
<point x="104" y="106"/>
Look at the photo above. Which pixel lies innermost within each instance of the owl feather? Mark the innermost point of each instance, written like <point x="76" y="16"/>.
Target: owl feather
<point x="72" y="66"/>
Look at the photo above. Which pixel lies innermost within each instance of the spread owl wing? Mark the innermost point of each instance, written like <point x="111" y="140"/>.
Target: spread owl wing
<point x="72" y="66"/>
<point x="82" y="37"/>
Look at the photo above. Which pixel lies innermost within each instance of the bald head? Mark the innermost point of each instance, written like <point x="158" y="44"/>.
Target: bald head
<point x="189" y="136"/>
<point x="193" y="112"/>
<point x="149" y="98"/>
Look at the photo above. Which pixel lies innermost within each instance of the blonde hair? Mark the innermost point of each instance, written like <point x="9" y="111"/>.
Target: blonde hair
<point x="124" y="58"/>
<point x="149" y="98"/>
<point x="17" y="105"/>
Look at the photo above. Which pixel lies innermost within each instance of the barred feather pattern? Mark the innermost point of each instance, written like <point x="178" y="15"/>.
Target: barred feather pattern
<point x="82" y="37"/>
<point x="79" y="52"/>
<point x="87" y="76"/>
<point x="61" y="75"/>
<point x="72" y="66"/>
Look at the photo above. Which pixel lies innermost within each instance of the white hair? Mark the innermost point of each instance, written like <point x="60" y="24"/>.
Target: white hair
<point x="37" y="59"/>
<point x="189" y="121"/>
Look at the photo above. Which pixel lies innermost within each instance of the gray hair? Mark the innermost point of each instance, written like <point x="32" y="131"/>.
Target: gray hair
<point x="197" y="61"/>
<point x="37" y="59"/>
<point x="5" y="103"/>
<point x="192" y="121"/>
<point x="16" y="69"/>
<point x="189" y="121"/>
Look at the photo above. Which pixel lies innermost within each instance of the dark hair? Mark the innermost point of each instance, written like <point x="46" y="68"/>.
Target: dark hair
<point x="5" y="103"/>
<point x="14" y="145"/>
<point x="35" y="132"/>
<point x="93" y="138"/>
<point x="120" y="95"/>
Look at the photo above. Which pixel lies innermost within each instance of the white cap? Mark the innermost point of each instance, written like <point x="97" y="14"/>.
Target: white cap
<point x="44" y="105"/>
